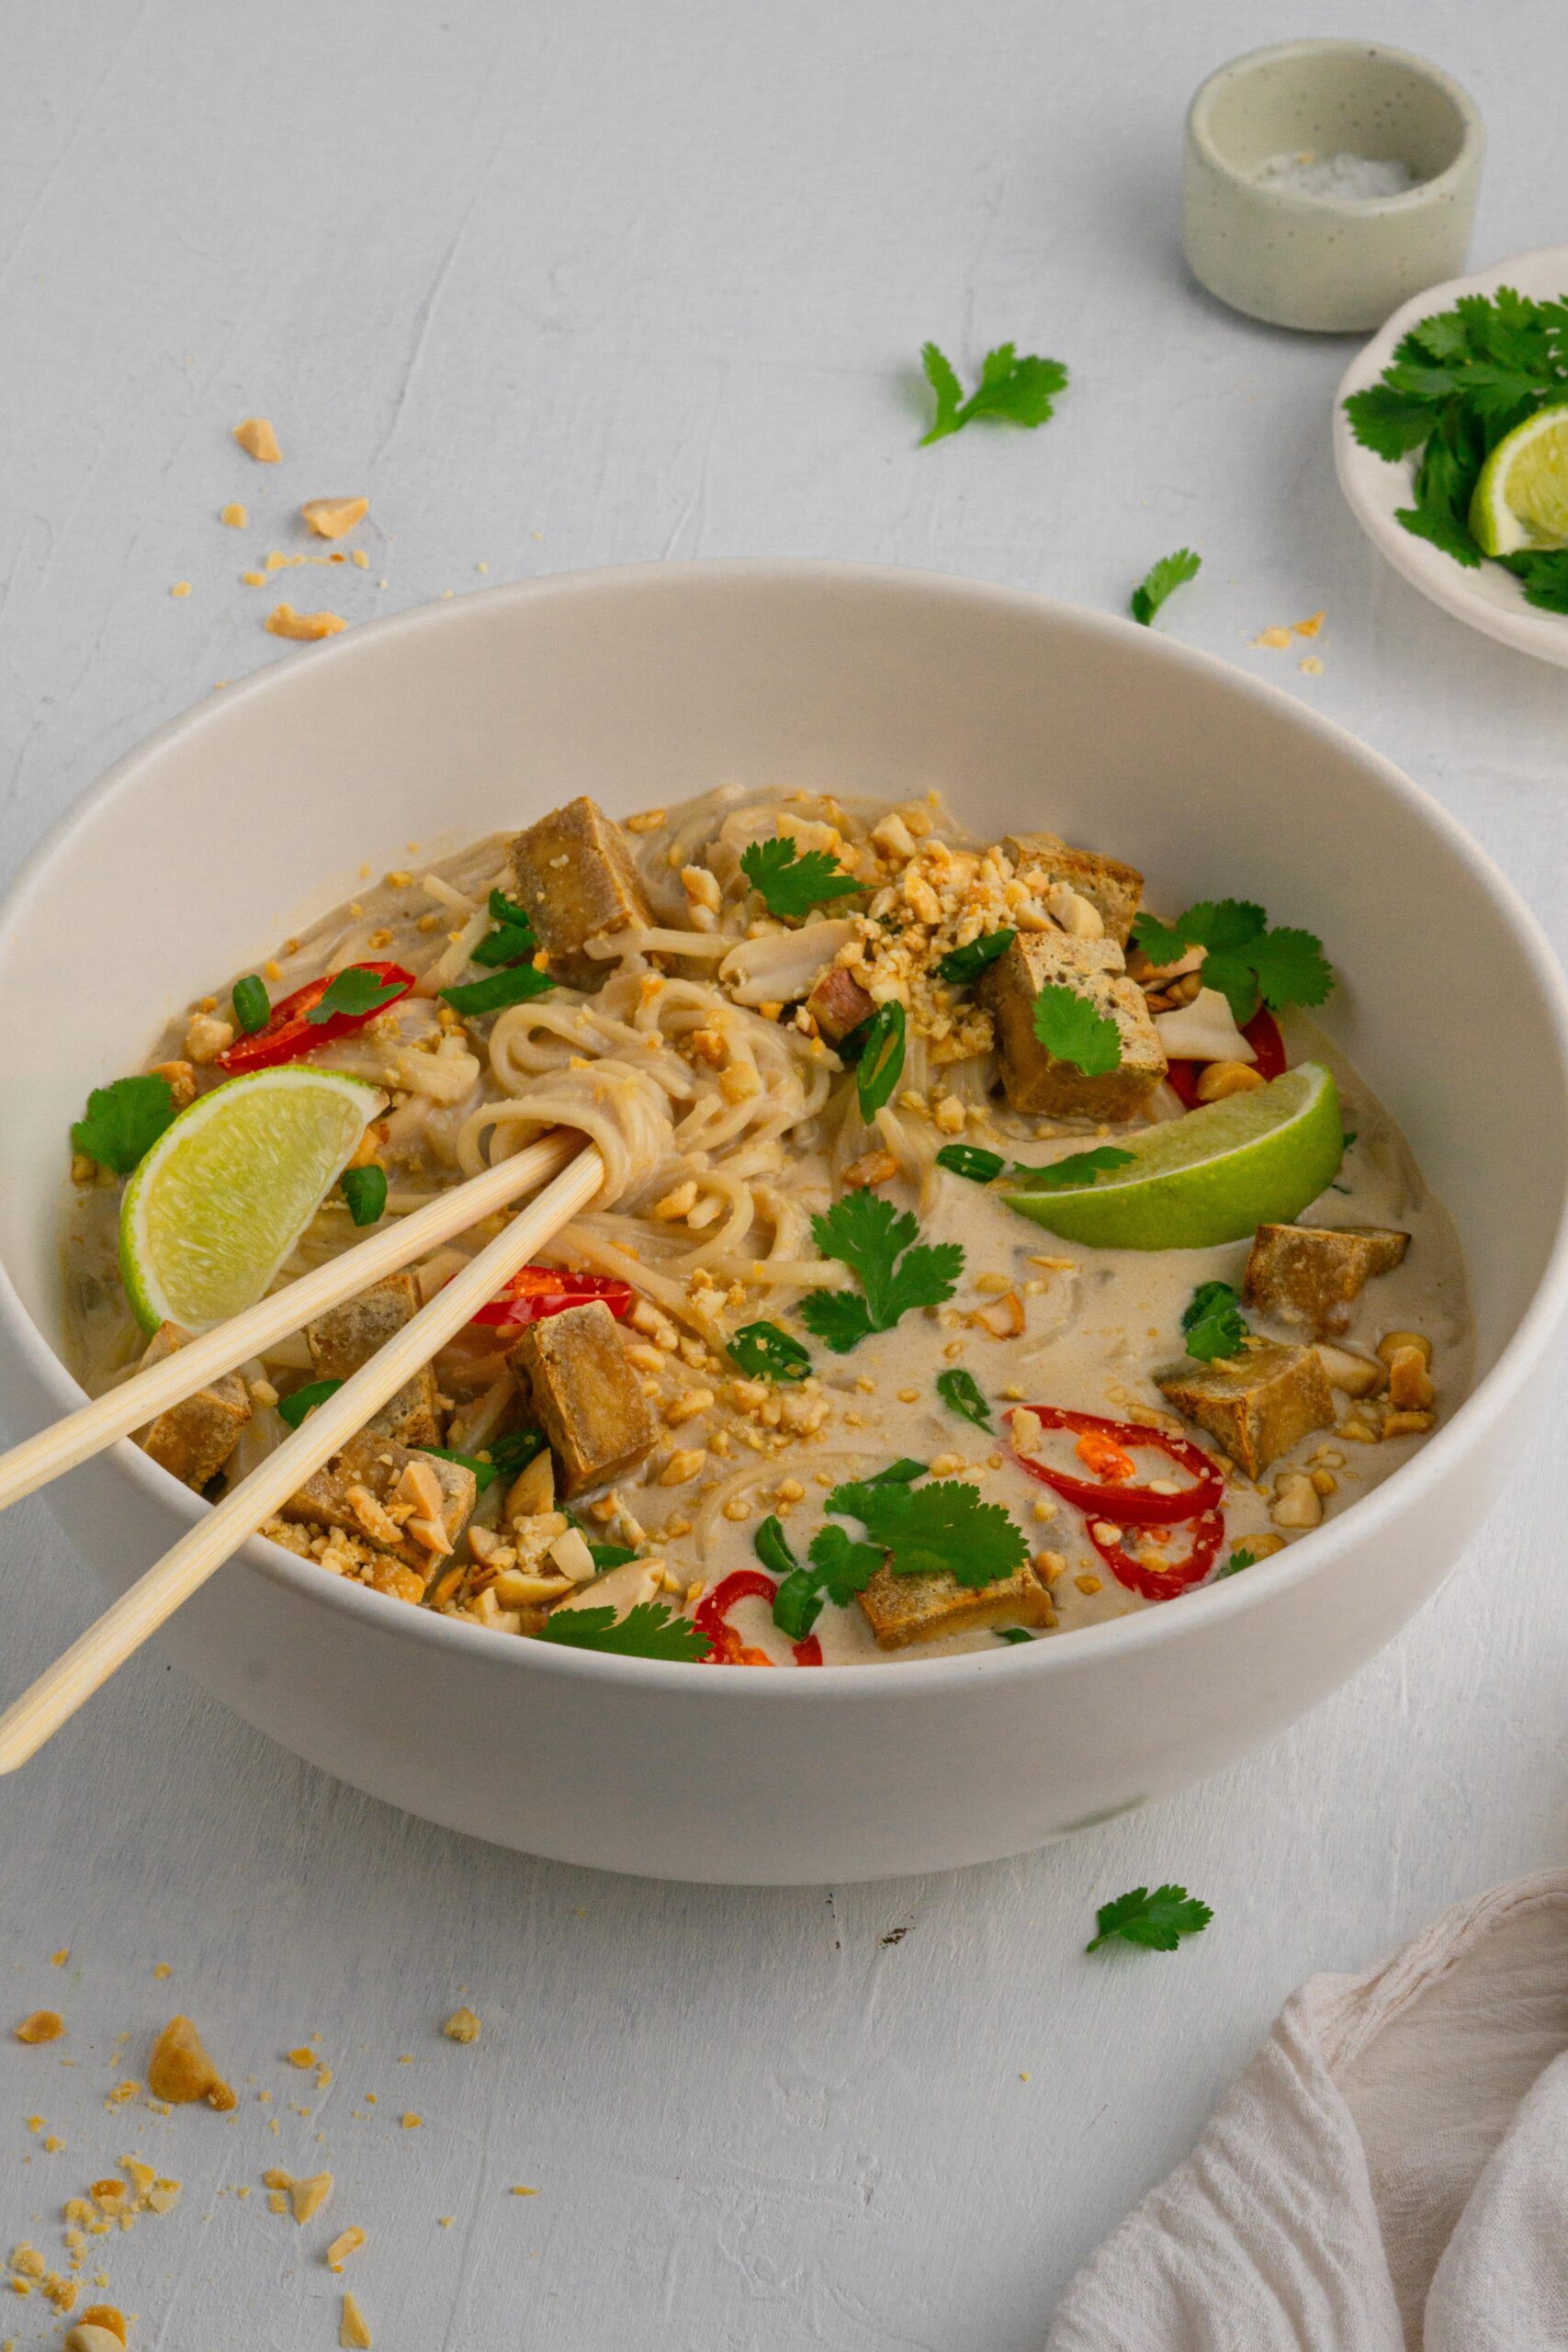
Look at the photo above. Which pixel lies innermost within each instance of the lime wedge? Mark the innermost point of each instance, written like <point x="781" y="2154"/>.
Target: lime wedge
<point x="1521" y="499"/>
<point x="1215" y="1175"/>
<point x="229" y="1187"/>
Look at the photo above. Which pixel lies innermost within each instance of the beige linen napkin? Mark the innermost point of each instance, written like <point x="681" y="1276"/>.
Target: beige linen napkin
<point x="1389" y="2175"/>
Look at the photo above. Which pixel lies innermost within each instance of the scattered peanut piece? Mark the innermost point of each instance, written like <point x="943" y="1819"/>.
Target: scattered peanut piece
<point x="59" y="1959"/>
<point x="307" y="627"/>
<point x="235" y="515"/>
<point x="1313" y="623"/>
<point x="309" y="2196"/>
<point x="412" y="2122"/>
<point x="180" y="2070"/>
<point x="302" y="2058"/>
<point x="347" y="2242"/>
<point x="353" y="2333"/>
<point x="180" y="588"/>
<point x="108" y="2316"/>
<point x="1313" y="665"/>
<point x="1276" y="639"/>
<point x="462" y="2026"/>
<point x="334" y="518"/>
<point x="256" y="437"/>
<point x="163" y="1969"/>
<point x="524" y="2192"/>
<point x="87" y="2337"/>
<point x="44" y="2025"/>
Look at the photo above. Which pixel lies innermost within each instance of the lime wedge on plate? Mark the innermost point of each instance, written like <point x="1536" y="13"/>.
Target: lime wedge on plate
<point x="1216" y="1175"/>
<point x="1521" y="499"/>
<point x="229" y="1187"/>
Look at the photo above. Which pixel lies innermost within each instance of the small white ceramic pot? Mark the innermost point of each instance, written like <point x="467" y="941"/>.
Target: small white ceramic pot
<point x="1332" y="264"/>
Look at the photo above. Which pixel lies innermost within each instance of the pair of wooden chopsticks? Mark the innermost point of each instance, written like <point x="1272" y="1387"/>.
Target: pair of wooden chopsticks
<point x="575" y="1171"/>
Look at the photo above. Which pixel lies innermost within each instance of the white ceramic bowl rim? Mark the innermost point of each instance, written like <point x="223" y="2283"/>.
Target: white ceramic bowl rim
<point x="1297" y="199"/>
<point x="1487" y="1402"/>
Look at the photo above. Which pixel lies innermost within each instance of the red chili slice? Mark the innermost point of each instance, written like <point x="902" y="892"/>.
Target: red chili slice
<point x="1262" y="1033"/>
<point x="287" y="1034"/>
<point x="1133" y="1506"/>
<point x="1162" y="1583"/>
<point x="712" y="1619"/>
<point x="534" y="1291"/>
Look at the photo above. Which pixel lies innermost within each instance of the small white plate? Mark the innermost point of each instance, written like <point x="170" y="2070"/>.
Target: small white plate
<point x="1489" y="599"/>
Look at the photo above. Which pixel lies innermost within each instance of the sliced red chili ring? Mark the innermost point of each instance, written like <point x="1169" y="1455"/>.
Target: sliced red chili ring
<point x="1262" y="1033"/>
<point x="1161" y="1583"/>
<point x="712" y="1619"/>
<point x="287" y="1034"/>
<point x="1131" y="1505"/>
<point x="534" y="1291"/>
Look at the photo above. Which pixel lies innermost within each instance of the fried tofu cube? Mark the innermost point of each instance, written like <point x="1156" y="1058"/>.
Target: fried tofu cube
<point x="346" y="1337"/>
<point x="1258" y="1403"/>
<point x="352" y="1490"/>
<point x="838" y="1003"/>
<point x="1110" y="887"/>
<point x="904" y="1610"/>
<point x="576" y="876"/>
<point x="1034" y="1077"/>
<point x="580" y="1388"/>
<point x="1313" y="1273"/>
<point x="193" y="1439"/>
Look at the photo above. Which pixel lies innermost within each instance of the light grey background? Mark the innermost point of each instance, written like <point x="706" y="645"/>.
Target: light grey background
<point x="561" y="285"/>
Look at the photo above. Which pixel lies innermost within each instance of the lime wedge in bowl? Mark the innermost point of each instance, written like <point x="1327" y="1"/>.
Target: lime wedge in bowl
<point x="229" y="1187"/>
<point x="1521" y="499"/>
<point x="1215" y="1175"/>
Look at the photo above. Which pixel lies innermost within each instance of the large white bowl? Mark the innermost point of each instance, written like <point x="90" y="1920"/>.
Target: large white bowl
<point x="192" y="857"/>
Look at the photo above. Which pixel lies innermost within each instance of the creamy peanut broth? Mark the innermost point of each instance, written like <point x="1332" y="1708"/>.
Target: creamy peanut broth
<point x="744" y="1001"/>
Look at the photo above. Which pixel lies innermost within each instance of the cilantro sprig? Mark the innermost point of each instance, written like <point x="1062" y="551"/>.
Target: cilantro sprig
<point x="1074" y="1174"/>
<point x="1213" y="1322"/>
<point x="1458" y="383"/>
<point x="1160" y="580"/>
<point x="1235" y="1565"/>
<point x="763" y="1352"/>
<point x="791" y="882"/>
<point x="875" y="1241"/>
<point x="1243" y="957"/>
<point x="961" y="966"/>
<point x="961" y="1394"/>
<point x="1157" y="1921"/>
<point x="355" y="990"/>
<point x="651" y="1629"/>
<point x="1012" y="390"/>
<point x="1069" y="1026"/>
<point x="944" y="1528"/>
<point x="123" y="1122"/>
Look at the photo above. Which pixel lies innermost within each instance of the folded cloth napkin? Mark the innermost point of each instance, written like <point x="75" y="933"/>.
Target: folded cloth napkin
<point x="1389" y="2174"/>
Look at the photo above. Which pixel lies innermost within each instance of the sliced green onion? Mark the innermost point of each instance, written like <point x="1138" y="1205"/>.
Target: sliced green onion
<point x="305" y="1400"/>
<point x="968" y="1159"/>
<point x="881" y="1063"/>
<point x="365" y="1190"/>
<point x="771" y="1548"/>
<point x="515" y="985"/>
<point x="252" y="1006"/>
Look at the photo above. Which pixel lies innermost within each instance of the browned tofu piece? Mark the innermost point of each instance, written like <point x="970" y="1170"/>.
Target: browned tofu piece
<point x="839" y="1003"/>
<point x="194" y="1440"/>
<point x="346" y="1337"/>
<point x="373" y="1465"/>
<point x="1313" y="1273"/>
<point x="580" y="1389"/>
<point x="1108" y="884"/>
<point x="1258" y="1403"/>
<point x="902" y="1610"/>
<point x="575" y="875"/>
<point x="1035" y="1078"/>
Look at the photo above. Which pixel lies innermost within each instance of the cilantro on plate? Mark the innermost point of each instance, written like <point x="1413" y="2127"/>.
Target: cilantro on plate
<point x="1213" y="1322"/>
<point x="1172" y="571"/>
<point x="511" y="1454"/>
<point x="123" y="1122"/>
<point x="874" y="1239"/>
<point x="942" y="1528"/>
<point x="1069" y="1026"/>
<point x="1158" y="1921"/>
<point x="961" y="1393"/>
<point x="1073" y="1174"/>
<point x="485" y="1473"/>
<point x="791" y="882"/>
<point x="764" y="1352"/>
<point x="355" y="990"/>
<point x="651" y="1629"/>
<point x="1014" y="391"/>
<point x="1243" y="957"/>
<point x="1235" y="1565"/>
<point x="962" y="966"/>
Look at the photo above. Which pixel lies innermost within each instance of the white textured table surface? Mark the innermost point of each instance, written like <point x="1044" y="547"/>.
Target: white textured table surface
<point x="568" y="286"/>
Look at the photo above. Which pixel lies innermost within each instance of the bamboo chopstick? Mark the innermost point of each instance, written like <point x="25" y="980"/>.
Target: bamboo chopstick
<point x="218" y="1532"/>
<point x="147" y="1393"/>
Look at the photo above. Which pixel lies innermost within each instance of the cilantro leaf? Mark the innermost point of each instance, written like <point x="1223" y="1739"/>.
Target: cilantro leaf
<point x="516" y="985"/>
<point x="791" y="884"/>
<point x="968" y="1159"/>
<point x="355" y="991"/>
<point x="873" y="1239"/>
<point x="1012" y="1632"/>
<point x="1544" y="574"/>
<point x="1069" y="1026"/>
<point x="1233" y="1566"/>
<point x="123" y="1122"/>
<point x="1073" y="1174"/>
<point x="1170" y="573"/>
<point x="882" y="1059"/>
<point x="1243" y="958"/>
<point x="1158" y="1921"/>
<point x="961" y="1393"/>
<point x="1016" y="390"/>
<point x="944" y="1528"/>
<point x="610" y="1555"/>
<point x="365" y="1190"/>
<point x="961" y="965"/>
<point x="485" y="1473"/>
<point x="764" y="1352"/>
<point x="651" y="1629"/>
<point x="1390" y="423"/>
<point x="1213" y="1322"/>
<point x="511" y="1454"/>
